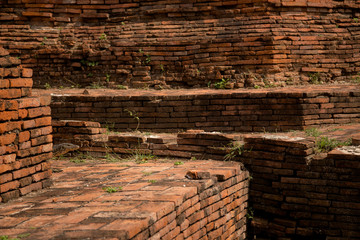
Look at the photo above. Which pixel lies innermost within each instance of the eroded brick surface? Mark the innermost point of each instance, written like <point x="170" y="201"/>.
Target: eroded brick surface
<point x="166" y="43"/>
<point x="78" y="206"/>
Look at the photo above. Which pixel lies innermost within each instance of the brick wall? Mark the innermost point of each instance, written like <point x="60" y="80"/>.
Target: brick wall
<point x="210" y="110"/>
<point x="297" y="194"/>
<point x="25" y="128"/>
<point x="162" y="43"/>
<point x="294" y="193"/>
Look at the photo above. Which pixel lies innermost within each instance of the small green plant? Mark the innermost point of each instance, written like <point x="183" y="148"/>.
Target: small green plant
<point x="140" y="157"/>
<point x="336" y="129"/>
<point x="193" y="159"/>
<point x="122" y="23"/>
<point x="109" y="127"/>
<point x="257" y="87"/>
<point x="325" y="144"/>
<point x="80" y="157"/>
<point x="178" y="163"/>
<point x="112" y="189"/>
<point x="103" y="36"/>
<point x="107" y="79"/>
<point x="269" y="84"/>
<point x="5" y="237"/>
<point x="356" y="20"/>
<point x="315" y="78"/>
<point x="89" y="63"/>
<point x="250" y="213"/>
<point x="236" y="149"/>
<point x="152" y="181"/>
<point x="221" y="84"/>
<point x="43" y="42"/>
<point x="95" y="85"/>
<point x="135" y="116"/>
<point x="24" y="235"/>
<point x="112" y="157"/>
<point x="121" y="86"/>
<point x="47" y="86"/>
<point x="356" y="79"/>
<point x="147" y="56"/>
<point x="162" y="68"/>
<point x="313" y="132"/>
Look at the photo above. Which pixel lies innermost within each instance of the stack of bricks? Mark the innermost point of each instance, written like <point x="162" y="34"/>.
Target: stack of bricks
<point x="296" y="193"/>
<point x="214" y="110"/>
<point x="25" y="128"/>
<point x="193" y="144"/>
<point x="162" y="44"/>
<point x="82" y="133"/>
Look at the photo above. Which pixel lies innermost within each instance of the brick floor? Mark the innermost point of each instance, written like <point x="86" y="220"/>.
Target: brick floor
<point x="77" y="206"/>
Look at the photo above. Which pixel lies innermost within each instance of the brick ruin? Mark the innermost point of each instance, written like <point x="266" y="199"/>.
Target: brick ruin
<point x="25" y="127"/>
<point x="165" y="44"/>
<point x="79" y="43"/>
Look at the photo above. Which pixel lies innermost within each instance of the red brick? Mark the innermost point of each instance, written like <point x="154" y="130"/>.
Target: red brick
<point x="9" y="126"/>
<point x="45" y="121"/>
<point x="29" y="102"/>
<point x="30" y="188"/>
<point x="21" y="82"/>
<point x="9" y="186"/>
<point x="7" y="139"/>
<point x="8" y="158"/>
<point x="4" y="83"/>
<point x="26" y="72"/>
<point x="37" y="112"/>
<point x="10" y="93"/>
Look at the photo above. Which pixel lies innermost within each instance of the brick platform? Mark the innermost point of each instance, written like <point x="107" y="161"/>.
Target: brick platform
<point x="156" y="201"/>
<point x="259" y="110"/>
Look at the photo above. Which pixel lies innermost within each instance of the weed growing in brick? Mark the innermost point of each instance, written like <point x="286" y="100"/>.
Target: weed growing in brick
<point x="140" y="157"/>
<point x="103" y="36"/>
<point x="47" y="86"/>
<point x="135" y="116"/>
<point x="250" y="213"/>
<point x="5" y="237"/>
<point x="312" y="132"/>
<point x="178" y="163"/>
<point x="152" y="181"/>
<point x="221" y="84"/>
<point x="24" y="235"/>
<point x="315" y="78"/>
<point x="96" y="85"/>
<point x="107" y="79"/>
<point x="147" y="173"/>
<point x="236" y="149"/>
<point x="121" y="86"/>
<point x="325" y="144"/>
<point x="109" y="128"/>
<point x="112" y="189"/>
<point x="81" y="157"/>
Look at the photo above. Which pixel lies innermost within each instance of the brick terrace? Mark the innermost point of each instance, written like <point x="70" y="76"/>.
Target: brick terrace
<point x="156" y="201"/>
<point x="275" y="109"/>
